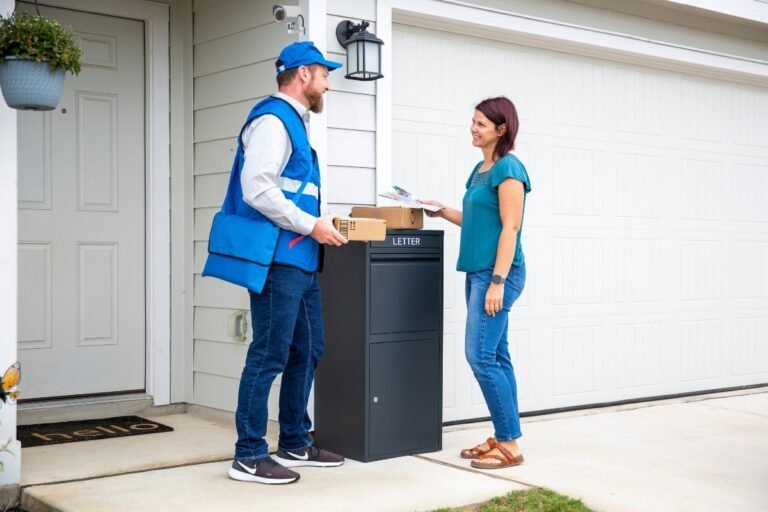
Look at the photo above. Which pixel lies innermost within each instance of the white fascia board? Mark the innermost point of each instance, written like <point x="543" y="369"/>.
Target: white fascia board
<point x="556" y="35"/>
<point x="753" y="10"/>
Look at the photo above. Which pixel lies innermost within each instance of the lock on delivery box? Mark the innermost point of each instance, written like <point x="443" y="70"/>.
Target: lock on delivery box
<point x="397" y="217"/>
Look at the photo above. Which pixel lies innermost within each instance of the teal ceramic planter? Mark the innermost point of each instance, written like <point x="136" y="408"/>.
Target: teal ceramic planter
<point x="30" y="85"/>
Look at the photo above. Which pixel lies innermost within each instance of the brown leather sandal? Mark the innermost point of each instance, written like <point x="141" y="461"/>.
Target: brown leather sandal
<point x="477" y="452"/>
<point x="506" y="459"/>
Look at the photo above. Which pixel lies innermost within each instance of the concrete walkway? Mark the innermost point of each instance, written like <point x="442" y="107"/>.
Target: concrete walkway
<point x="707" y="453"/>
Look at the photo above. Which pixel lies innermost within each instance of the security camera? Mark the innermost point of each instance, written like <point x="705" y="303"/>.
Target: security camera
<point x="282" y="13"/>
<point x="291" y="15"/>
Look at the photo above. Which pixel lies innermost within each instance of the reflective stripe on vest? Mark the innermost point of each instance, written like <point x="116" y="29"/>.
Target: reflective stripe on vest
<point x="292" y="186"/>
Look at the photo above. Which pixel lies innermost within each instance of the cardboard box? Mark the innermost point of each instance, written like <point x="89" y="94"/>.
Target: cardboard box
<point x="361" y="230"/>
<point x="397" y="217"/>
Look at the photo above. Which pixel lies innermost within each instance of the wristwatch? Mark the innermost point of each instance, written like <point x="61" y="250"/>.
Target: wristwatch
<point x="497" y="279"/>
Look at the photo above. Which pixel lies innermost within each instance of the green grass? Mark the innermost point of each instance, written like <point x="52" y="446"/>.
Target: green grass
<point x="530" y="500"/>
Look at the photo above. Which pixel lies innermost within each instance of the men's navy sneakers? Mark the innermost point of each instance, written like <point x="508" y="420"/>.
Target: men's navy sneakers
<point x="265" y="471"/>
<point x="311" y="456"/>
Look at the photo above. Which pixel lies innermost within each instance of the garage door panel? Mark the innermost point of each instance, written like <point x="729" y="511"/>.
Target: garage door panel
<point x="573" y="183"/>
<point x="702" y="187"/>
<point x="702" y="106"/>
<point x="701" y="270"/>
<point x="750" y="112"/>
<point x="640" y="181"/>
<point x="422" y="57"/>
<point x="579" y="368"/>
<point x="750" y="351"/>
<point x="639" y="353"/>
<point x="701" y="350"/>
<point x="420" y="157"/>
<point x="646" y="234"/>
<point x="638" y="270"/>
<point x="639" y="101"/>
<point x="510" y="75"/>
<point x="748" y="187"/>
<point x="748" y="277"/>
<point x="581" y="104"/>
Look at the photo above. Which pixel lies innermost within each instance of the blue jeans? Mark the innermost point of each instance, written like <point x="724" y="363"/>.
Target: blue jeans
<point x="288" y="339"/>
<point x="487" y="350"/>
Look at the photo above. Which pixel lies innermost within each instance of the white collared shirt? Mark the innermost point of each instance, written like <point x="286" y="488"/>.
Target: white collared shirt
<point x="268" y="148"/>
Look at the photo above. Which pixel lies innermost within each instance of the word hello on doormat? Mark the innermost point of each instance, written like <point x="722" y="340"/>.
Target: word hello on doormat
<point x="46" y="434"/>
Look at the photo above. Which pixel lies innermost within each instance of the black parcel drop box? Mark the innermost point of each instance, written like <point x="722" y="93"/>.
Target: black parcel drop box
<point x="378" y="387"/>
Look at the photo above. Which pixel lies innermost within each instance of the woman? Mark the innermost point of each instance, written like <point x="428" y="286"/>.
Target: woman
<point x="491" y="255"/>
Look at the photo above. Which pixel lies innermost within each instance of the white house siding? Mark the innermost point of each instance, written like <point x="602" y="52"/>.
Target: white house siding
<point x="235" y="46"/>
<point x="351" y="118"/>
<point x="236" y="43"/>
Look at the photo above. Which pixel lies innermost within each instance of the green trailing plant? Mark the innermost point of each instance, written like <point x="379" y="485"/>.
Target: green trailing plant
<point x="29" y="36"/>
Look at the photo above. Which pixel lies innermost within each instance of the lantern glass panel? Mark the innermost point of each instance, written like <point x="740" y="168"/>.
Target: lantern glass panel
<point x="353" y="65"/>
<point x="372" y="66"/>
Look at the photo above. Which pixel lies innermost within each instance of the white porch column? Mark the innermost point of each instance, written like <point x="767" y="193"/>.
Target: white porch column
<point x="10" y="456"/>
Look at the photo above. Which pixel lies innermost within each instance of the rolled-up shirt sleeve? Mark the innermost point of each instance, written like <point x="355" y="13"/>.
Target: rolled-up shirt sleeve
<point x="267" y="149"/>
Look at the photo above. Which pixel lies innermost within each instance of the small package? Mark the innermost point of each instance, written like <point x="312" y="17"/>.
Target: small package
<point x="361" y="230"/>
<point x="397" y="217"/>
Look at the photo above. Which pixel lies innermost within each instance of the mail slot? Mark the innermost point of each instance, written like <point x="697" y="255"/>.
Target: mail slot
<point x="378" y="388"/>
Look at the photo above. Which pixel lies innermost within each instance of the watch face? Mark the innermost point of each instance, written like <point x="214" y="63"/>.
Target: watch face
<point x="497" y="279"/>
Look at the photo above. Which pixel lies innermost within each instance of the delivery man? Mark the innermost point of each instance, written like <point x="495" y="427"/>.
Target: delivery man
<point x="267" y="238"/>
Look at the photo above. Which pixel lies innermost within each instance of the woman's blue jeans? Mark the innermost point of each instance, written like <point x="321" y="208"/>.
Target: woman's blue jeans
<point x="487" y="350"/>
<point x="288" y="339"/>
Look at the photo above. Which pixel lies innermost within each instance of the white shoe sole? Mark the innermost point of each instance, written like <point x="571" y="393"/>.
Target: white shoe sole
<point x="295" y="463"/>
<point x="247" y="477"/>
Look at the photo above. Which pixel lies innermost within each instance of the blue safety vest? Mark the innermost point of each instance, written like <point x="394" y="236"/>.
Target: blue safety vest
<point x="243" y="243"/>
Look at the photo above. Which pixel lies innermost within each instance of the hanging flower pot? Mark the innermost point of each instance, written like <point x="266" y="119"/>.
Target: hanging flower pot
<point x="35" y="52"/>
<point x="30" y="85"/>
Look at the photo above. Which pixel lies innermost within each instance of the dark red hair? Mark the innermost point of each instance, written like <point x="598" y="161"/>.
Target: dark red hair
<point x="500" y="110"/>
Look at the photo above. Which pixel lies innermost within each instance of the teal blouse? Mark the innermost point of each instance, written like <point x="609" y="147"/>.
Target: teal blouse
<point x="481" y="222"/>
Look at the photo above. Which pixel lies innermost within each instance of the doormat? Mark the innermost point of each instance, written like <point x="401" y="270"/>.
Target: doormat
<point x="46" y="434"/>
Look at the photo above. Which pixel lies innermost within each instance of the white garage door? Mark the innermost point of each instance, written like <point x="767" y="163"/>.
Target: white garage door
<point x="646" y="234"/>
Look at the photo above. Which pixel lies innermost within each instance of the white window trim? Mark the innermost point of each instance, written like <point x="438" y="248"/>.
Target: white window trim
<point x="157" y="161"/>
<point x="461" y="16"/>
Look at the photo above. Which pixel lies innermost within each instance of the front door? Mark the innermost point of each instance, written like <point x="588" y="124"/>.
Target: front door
<point x="82" y="220"/>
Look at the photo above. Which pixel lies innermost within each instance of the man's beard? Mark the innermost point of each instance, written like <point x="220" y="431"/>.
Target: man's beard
<point x="315" y="101"/>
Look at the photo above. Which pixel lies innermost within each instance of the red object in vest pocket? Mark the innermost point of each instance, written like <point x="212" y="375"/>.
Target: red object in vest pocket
<point x="295" y="241"/>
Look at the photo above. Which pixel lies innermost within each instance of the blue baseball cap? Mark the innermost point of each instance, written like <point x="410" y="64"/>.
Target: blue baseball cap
<point x="303" y="53"/>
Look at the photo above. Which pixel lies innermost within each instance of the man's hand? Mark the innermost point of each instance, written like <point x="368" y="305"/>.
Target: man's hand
<point x="325" y="233"/>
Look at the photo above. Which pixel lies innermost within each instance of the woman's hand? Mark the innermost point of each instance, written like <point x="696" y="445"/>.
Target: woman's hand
<point x="434" y="203"/>
<point x="494" y="299"/>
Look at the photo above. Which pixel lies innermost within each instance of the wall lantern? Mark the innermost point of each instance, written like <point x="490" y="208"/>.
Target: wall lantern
<point x="363" y="50"/>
